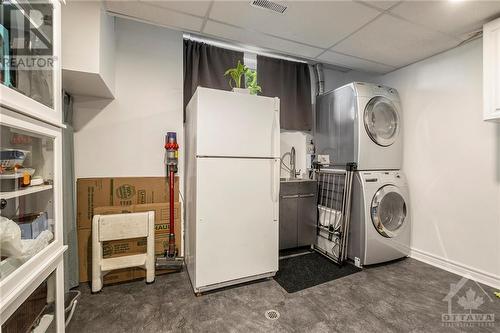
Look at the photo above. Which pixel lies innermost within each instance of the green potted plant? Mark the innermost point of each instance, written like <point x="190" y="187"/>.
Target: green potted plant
<point x="250" y="79"/>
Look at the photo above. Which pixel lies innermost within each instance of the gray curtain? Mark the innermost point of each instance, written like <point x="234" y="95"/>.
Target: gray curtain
<point x="69" y="212"/>
<point x="204" y="65"/>
<point x="291" y="82"/>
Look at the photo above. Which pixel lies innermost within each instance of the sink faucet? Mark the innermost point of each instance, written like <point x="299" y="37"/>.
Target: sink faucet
<point x="292" y="169"/>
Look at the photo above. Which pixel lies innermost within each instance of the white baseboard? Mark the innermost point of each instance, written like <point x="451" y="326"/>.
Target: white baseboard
<point x="457" y="268"/>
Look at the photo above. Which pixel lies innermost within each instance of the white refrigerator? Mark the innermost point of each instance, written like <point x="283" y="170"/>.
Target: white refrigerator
<point x="232" y="188"/>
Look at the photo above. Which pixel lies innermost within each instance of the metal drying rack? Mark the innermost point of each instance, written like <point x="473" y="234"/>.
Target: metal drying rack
<point x="334" y="210"/>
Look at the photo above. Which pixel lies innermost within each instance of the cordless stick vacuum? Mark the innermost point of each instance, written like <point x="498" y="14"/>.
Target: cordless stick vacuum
<point x="170" y="260"/>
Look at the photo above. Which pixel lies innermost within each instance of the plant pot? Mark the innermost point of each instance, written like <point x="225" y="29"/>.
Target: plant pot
<point x="242" y="90"/>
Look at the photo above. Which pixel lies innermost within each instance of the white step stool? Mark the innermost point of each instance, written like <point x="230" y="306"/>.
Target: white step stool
<point x="116" y="227"/>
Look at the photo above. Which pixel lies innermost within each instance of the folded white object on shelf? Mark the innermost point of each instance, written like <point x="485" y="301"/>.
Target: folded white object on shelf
<point x="329" y="216"/>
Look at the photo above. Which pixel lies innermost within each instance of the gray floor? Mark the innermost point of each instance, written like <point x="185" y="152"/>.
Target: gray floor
<point x="404" y="296"/>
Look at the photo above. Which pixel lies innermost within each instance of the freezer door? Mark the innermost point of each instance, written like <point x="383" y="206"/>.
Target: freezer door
<point x="237" y="219"/>
<point x="233" y="124"/>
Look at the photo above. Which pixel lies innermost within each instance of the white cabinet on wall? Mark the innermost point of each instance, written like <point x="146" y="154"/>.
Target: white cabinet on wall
<point x="491" y="70"/>
<point x="88" y="52"/>
<point x="30" y="73"/>
<point x="31" y="235"/>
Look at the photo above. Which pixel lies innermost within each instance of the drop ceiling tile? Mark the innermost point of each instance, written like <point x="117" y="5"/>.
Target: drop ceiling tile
<point x="395" y="42"/>
<point x="354" y="63"/>
<point x="259" y="40"/>
<point x="452" y="17"/>
<point x="155" y="15"/>
<point x="320" y="23"/>
<point x="384" y="5"/>
<point x="198" y="8"/>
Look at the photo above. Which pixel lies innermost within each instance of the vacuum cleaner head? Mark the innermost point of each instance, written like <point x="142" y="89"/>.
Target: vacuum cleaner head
<point x="173" y="264"/>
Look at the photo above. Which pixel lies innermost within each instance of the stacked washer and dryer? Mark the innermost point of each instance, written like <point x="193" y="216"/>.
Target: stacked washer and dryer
<point x="362" y="123"/>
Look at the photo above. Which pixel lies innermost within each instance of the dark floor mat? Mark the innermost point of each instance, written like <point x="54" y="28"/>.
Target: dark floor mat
<point x="308" y="270"/>
<point x="296" y="250"/>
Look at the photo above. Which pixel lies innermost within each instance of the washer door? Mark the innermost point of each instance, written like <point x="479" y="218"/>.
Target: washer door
<point x="381" y="121"/>
<point x="388" y="211"/>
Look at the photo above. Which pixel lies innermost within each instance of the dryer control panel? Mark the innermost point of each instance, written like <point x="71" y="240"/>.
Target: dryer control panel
<point x="394" y="177"/>
<point x="371" y="89"/>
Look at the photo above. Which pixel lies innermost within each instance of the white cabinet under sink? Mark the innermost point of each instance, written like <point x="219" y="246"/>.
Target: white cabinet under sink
<point x="491" y="71"/>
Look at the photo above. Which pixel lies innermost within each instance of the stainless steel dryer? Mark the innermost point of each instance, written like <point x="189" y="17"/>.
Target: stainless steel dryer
<point x="380" y="224"/>
<point x="361" y="123"/>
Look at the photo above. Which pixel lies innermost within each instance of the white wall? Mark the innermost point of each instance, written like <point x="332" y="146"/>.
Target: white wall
<point x="298" y="140"/>
<point x="452" y="161"/>
<point x="125" y="136"/>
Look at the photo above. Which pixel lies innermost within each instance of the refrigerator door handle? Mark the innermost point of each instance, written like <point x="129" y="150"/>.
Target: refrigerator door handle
<point x="275" y="129"/>
<point x="275" y="179"/>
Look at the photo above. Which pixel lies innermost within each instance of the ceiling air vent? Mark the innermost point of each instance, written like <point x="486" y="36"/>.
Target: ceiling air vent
<point x="269" y="5"/>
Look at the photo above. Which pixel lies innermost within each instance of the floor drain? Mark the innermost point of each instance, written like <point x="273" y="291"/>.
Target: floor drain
<point x="272" y="314"/>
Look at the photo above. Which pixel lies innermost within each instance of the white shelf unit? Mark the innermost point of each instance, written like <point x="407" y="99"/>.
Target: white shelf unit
<point x="491" y="71"/>
<point x="25" y="116"/>
<point x="15" y="287"/>
<point x="18" y="285"/>
<point x="25" y="191"/>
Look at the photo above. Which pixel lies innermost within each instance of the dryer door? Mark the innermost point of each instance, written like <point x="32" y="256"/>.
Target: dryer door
<point x="388" y="211"/>
<point x="381" y="120"/>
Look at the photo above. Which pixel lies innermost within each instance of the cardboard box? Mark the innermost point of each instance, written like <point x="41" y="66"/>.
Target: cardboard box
<point x="120" y="275"/>
<point x="126" y="247"/>
<point x="85" y="254"/>
<point x="126" y="191"/>
<point x="140" y="273"/>
<point x="123" y="247"/>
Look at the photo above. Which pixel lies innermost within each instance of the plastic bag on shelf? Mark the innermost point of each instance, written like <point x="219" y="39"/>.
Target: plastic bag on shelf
<point x="29" y="248"/>
<point x="10" y="238"/>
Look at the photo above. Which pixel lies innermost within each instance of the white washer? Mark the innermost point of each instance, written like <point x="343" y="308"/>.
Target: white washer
<point x="380" y="226"/>
<point x="362" y="123"/>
